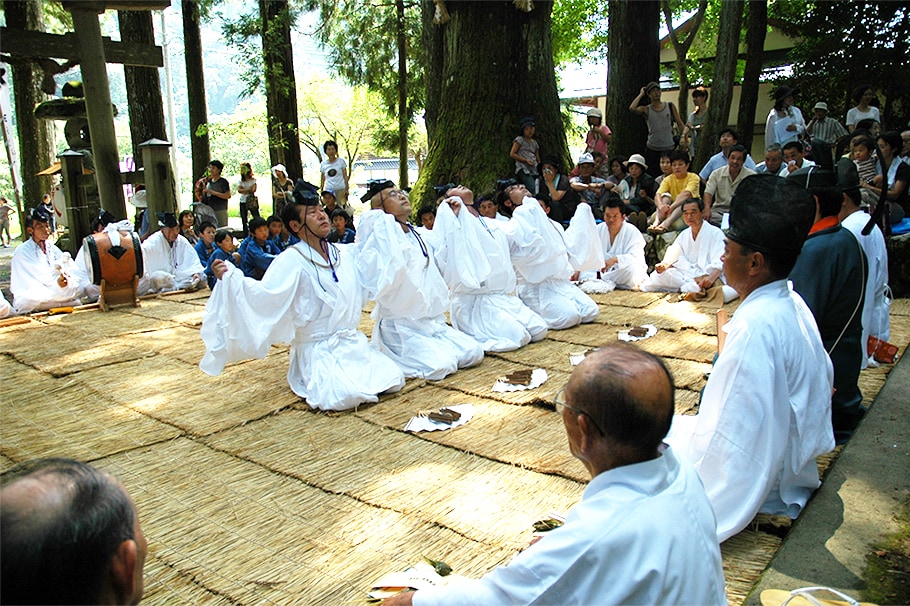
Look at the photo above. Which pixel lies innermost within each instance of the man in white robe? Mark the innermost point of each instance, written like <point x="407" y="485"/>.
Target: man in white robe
<point x="473" y="256"/>
<point x="41" y="275"/>
<point x="692" y="262"/>
<point x="310" y="297"/>
<point x="623" y="248"/>
<point x="541" y="262"/>
<point x="876" y="306"/>
<point x="765" y="414"/>
<point x="398" y="268"/>
<point x="643" y="532"/>
<point x="171" y="263"/>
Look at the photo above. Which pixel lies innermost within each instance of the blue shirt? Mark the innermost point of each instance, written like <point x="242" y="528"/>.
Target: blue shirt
<point x="254" y="257"/>
<point x="346" y="238"/>
<point x="215" y="256"/>
<point x="281" y="245"/>
<point x="718" y="160"/>
<point x="203" y="253"/>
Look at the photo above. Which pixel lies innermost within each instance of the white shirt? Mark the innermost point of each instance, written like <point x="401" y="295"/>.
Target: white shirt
<point x="697" y="256"/>
<point x="178" y="259"/>
<point x="631" y="268"/>
<point x="33" y="278"/>
<point x="642" y="534"/>
<point x="765" y="413"/>
<point x="333" y="171"/>
<point x="876" y="321"/>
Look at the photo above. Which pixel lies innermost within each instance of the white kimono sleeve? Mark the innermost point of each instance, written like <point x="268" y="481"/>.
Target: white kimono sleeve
<point x="460" y="253"/>
<point x="582" y="241"/>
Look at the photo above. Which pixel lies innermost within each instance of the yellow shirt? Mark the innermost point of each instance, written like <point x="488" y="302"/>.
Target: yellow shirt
<point x="673" y="186"/>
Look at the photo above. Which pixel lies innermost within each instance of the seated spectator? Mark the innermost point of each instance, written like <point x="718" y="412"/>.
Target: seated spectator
<point x="330" y="203"/>
<point x="693" y="262"/>
<point x="257" y="251"/>
<point x="637" y="190"/>
<point x="677" y="188"/>
<point x="793" y="159"/>
<point x="722" y="185"/>
<point x="774" y="159"/>
<point x="279" y="235"/>
<point x="170" y="262"/>
<point x="822" y="127"/>
<point x="224" y="251"/>
<point x="488" y="209"/>
<point x="623" y="248"/>
<point x="186" y="219"/>
<point x="206" y="244"/>
<point x="643" y="532"/>
<point x="427" y="217"/>
<point x="563" y="199"/>
<point x="894" y="179"/>
<point x="41" y="275"/>
<point x="617" y="170"/>
<point x="727" y="139"/>
<point x="665" y="169"/>
<point x="592" y="190"/>
<point x="71" y="535"/>
<point x="340" y="233"/>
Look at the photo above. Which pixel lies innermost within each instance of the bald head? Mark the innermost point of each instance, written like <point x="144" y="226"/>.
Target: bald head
<point x="629" y="394"/>
<point x="63" y="525"/>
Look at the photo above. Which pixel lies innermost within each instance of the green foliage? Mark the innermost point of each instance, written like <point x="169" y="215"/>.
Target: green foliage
<point x="845" y="44"/>
<point x="243" y="33"/>
<point x="361" y="38"/>
<point x="579" y="30"/>
<point x="239" y="137"/>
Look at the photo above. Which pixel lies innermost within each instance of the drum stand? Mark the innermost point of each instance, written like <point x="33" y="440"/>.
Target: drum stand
<point x="120" y="295"/>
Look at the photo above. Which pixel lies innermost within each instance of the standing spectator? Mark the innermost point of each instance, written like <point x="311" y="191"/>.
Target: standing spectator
<point x="660" y="117"/>
<point x="599" y="134"/>
<point x="186" y="219"/>
<point x="6" y="209"/>
<point x="785" y="122"/>
<point x="282" y="186"/>
<point x="824" y="128"/>
<point x="217" y="192"/>
<point x="696" y="118"/>
<point x="526" y="153"/>
<point x="334" y="173"/>
<point x="249" y="203"/>
<point x="862" y="96"/>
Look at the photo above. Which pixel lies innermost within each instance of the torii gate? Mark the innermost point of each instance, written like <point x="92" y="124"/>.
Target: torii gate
<point x="93" y="53"/>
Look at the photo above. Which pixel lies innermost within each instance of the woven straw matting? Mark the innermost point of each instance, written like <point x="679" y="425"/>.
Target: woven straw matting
<point x="248" y="496"/>
<point x="45" y="417"/>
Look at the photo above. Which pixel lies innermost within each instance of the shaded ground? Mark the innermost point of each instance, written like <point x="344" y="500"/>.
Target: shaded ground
<point x="248" y="496"/>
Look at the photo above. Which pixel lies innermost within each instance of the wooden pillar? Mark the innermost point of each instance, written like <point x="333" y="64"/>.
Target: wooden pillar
<point x="159" y="180"/>
<point x="98" y="104"/>
<point x="79" y="215"/>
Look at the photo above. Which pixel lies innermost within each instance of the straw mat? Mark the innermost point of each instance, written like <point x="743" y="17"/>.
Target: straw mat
<point x="196" y="297"/>
<point x="684" y="343"/>
<point x="108" y="324"/>
<point x="62" y="350"/>
<point x="480" y="379"/>
<point x="5" y="463"/>
<point x="253" y="536"/>
<point x="480" y="499"/>
<point x="44" y="417"/>
<point x="176" y="393"/>
<point x="180" y="343"/>
<point x="900" y="307"/>
<point x="167" y="309"/>
<point x="745" y="557"/>
<point x="627" y="298"/>
<point x="530" y="437"/>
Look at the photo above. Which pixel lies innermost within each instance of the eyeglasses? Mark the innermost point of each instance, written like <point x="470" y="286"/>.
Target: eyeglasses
<point x="561" y="403"/>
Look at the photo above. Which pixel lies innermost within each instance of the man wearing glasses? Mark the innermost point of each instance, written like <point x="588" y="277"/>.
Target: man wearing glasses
<point x="643" y="532"/>
<point x="398" y="269"/>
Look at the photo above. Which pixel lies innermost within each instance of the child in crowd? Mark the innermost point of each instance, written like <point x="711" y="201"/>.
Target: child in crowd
<point x="427" y="216"/>
<point x="224" y="250"/>
<point x="341" y="233"/>
<point x="867" y="167"/>
<point x="279" y="234"/>
<point x="206" y="244"/>
<point x="257" y="251"/>
<point x="526" y="153"/>
<point x="665" y="168"/>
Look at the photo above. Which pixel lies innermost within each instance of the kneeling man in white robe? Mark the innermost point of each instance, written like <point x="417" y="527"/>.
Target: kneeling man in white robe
<point x="311" y="297"/>
<point x="623" y="248"/>
<point x="399" y="270"/>
<point x="171" y="263"/>
<point x="41" y="275"/>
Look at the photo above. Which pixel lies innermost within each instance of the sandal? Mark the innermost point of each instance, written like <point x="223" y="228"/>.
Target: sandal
<point x="806" y="596"/>
<point x="657" y="229"/>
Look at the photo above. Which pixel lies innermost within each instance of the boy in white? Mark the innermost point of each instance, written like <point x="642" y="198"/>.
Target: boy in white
<point x="623" y="248"/>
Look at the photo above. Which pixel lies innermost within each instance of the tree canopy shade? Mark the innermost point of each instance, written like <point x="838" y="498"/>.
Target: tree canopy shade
<point x="844" y="44"/>
<point x="487" y="67"/>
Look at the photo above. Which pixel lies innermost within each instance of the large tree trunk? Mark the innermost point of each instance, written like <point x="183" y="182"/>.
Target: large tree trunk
<point x="195" y="88"/>
<point x="143" y="88"/>
<point x="756" y="28"/>
<point x="280" y="86"/>
<point x="496" y="66"/>
<point x="36" y="143"/>
<point x="433" y="38"/>
<point x="634" y="60"/>
<point x="731" y="15"/>
<point x="403" y="118"/>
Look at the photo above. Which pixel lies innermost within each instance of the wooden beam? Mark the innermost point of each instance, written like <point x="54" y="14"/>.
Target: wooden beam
<point x="30" y="44"/>
<point x="137" y="5"/>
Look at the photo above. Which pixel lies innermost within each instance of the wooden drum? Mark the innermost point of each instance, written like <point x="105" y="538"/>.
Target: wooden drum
<point x="117" y="265"/>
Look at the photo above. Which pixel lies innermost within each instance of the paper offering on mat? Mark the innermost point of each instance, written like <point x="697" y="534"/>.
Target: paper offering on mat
<point x="637" y="333"/>
<point x="538" y="377"/>
<point x="577" y="358"/>
<point x="424" y="423"/>
<point x="419" y="576"/>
